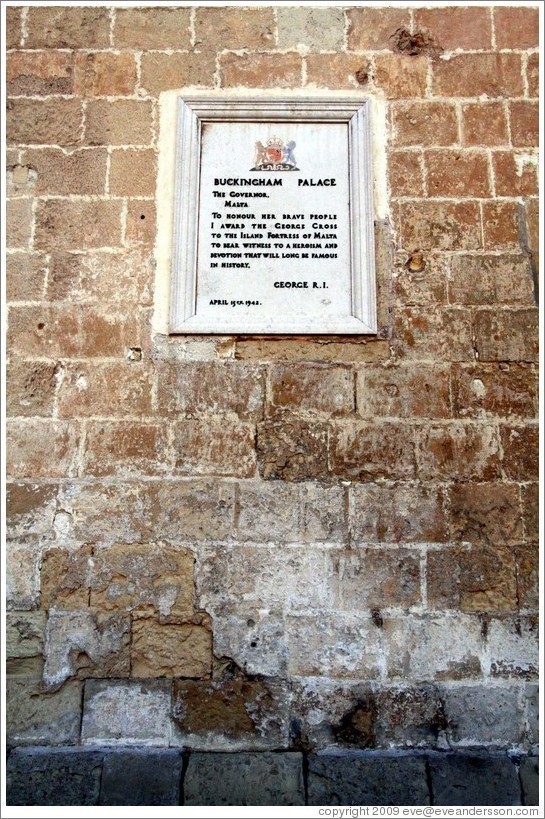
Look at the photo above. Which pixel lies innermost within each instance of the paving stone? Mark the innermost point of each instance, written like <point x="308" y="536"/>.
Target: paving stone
<point x="365" y="779"/>
<point x="529" y="778"/>
<point x="474" y="779"/>
<point x="141" y="778"/>
<point x="51" y="777"/>
<point x="244" y="779"/>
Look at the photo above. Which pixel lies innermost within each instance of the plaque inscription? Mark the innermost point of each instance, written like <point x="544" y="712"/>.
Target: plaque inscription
<point x="273" y="222"/>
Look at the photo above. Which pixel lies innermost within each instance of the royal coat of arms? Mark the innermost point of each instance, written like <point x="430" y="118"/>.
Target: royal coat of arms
<point x="275" y="156"/>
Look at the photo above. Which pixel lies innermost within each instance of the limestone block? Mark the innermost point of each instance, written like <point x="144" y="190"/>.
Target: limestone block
<point x="433" y="648"/>
<point x="170" y="649"/>
<point x="365" y="779"/>
<point x="22" y="572"/>
<point x="67" y="777"/>
<point x="37" y="718"/>
<point x="312" y="28"/>
<point x="347" y="646"/>
<point x="235" y="713"/>
<point x="143" y="576"/>
<point x="24" y="641"/>
<point x="254" y="638"/>
<point x="377" y="578"/>
<point x="244" y="779"/>
<point x="293" y="578"/>
<point x="65" y="578"/>
<point x="86" y="643"/>
<point x="476" y="779"/>
<point x="513" y="647"/>
<point x="126" y="713"/>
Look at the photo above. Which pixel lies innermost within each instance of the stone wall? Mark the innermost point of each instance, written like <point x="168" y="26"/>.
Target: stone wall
<point x="273" y="543"/>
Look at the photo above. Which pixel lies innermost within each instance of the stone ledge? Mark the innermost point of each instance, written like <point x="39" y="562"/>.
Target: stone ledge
<point x="144" y="776"/>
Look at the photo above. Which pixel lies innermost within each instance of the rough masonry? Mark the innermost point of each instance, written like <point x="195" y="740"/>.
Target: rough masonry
<point x="290" y="543"/>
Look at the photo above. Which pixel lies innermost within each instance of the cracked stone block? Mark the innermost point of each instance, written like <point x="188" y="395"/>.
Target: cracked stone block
<point x="244" y="779"/>
<point x="365" y="779"/>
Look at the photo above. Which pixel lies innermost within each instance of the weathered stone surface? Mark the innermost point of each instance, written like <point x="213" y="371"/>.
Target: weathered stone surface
<point x="244" y="779"/>
<point x="30" y="508"/>
<point x="506" y="335"/>
<point x="527" y="567"/>
<point x="287" y="512"/>
<point x="193" y="510"/>
<point x="81" y="172"/>
<point x="365" y="450"/>
<point x="255" y="639"/>
<point x="143" y="576"/>
<point x="214" y="446"/>
<point x="363" y="779"/>
<point x="311" y="349"/>
<point x="370" y="28"/>
<point x="458" y="452"/>
<point x="170" y="649"/>
<point x="313" y="389"/>
<point x="19" y="220"/>
<point x="41" y="448"/>
<point x="476" y="779"/>
<point x="231" y="713"/>
<point x="126" y="713"/>
<point x="105" y="514"/>
<point x="64" y="224"/>
<point x="433" y="648"/>
<point x="403" y="392"/>
<point x="531" y="703"/>
<point x="43" y="122"/>
<point x="31" y="387"/>
<point x="376" y="578"/>
<point x="483" y="715"/>
<point x="442" y="334"/>
<point x="472" y="578"/>
<point x="529" y="778"/>
<point x="24" y="634"/>
<point x="38" y="718"/>
<point x="68" y="27"/>
<point x="397" y="512"/>
<point x="494" y="390"/>
<point x="220" y="29"/>
<point x="513" y="647"/>
<point x="520" y="445"/>
<point x="25" y="275"/>
<point x="292" y="578"/>
<point x="210" y="387"/>
<point x="161" y="72"/>
<point x="152" y="28"/>
<point x="104" y="389"/>
<point x="86" y="644"/>
<point x="125" y="448"/>
<point x="410" y="717"/>
<point x="491" y="279"/>
<point x="22" y="572"/>
<point x="65" y="578"/>
<point x="39" y="73"/>
<point x="105" y="73"/>
<point x="290" y="449"/>
<point x="312" y="28"/>
<point x="141" y="778"/>
<point x="133" y="172"/>
<point x="118" y="122"/>
<point x="440" y="225"/>
<point x="53" y="778"/>
<point x="348" y="646"/>
<point x="487" y="513"/>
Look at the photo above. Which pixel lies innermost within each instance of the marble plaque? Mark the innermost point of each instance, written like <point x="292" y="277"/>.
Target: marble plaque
<point x="274" y="223"/>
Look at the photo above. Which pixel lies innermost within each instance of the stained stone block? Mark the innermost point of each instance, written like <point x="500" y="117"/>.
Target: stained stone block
<point x="38" y="777"/>
<point x="141" y="778"/>
<point x="244" y="779"/>
<point x="365" y="779"/>
<point x="474" y="779"/>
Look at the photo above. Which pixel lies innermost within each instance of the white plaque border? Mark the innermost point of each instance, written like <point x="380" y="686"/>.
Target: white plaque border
<point x="192" y="113"/>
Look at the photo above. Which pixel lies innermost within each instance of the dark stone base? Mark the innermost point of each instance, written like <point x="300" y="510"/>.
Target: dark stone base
<point x="151" y="776"/>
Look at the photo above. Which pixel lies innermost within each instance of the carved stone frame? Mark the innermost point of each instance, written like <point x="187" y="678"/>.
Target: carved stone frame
<point x="192" y="113"/>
